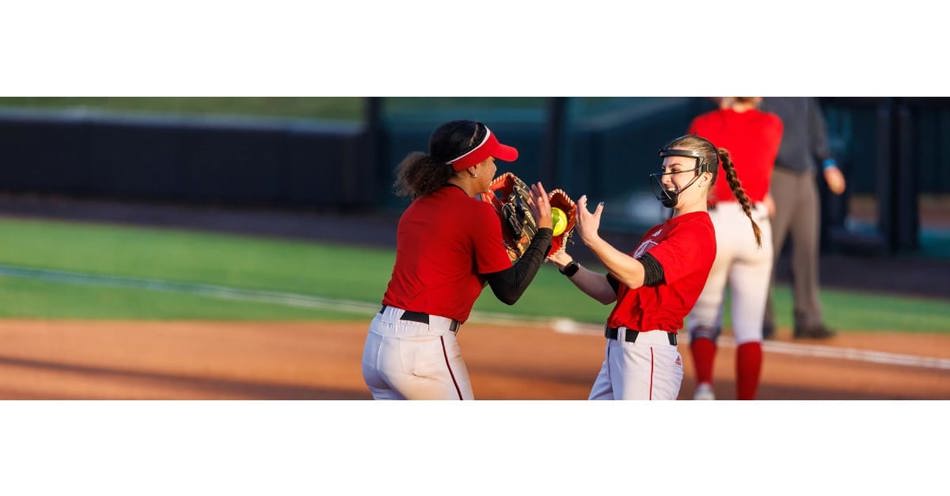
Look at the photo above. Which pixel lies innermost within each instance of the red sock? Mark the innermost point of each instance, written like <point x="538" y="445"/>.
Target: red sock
<point x="748" y="367"/>
<point x="704" y="353"/>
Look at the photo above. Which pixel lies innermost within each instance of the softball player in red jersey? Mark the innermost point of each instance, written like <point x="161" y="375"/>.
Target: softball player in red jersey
<point x="448" y="246"/>
<point x="655" y="286"/>
<point x="752" y="138"/>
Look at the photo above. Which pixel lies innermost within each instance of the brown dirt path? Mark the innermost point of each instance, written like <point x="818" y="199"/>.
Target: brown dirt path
<point x="318" y="360"/>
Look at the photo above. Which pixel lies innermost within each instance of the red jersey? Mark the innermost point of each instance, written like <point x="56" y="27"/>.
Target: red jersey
<point x="443" y="242"/>
<point x="685" y="246"/>
<point x="752" y="138"/>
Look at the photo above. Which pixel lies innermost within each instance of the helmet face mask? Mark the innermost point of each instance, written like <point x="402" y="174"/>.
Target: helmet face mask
<point x="669" y="198"/>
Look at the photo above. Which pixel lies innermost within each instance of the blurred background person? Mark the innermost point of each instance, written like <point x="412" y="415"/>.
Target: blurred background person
<point x="797" y="208"/>
<point x="752" y="138"/>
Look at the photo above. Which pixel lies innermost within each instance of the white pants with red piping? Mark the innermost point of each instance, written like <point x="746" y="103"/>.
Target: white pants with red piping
<point x="403" y="359"/>
<point x="649" y="369"/>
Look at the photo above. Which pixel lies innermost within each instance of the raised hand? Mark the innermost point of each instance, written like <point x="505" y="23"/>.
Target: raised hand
<point x="540" y="206"/>
<point x="560" y="257"/>
<point x="588" y="223"/>
<point x="769" y="205"/>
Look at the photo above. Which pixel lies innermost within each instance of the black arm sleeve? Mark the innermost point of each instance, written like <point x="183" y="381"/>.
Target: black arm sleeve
<point x="652" y="270"/>
<point x="509" y="284"/>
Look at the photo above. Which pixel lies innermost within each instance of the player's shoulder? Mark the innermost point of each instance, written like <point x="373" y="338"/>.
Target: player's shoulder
<point x="773" y="126"/>
<point x="481" y="212"/>
<point x="698" y="228"/>
<point x="451" y="202"/>
<point x="456" y="199"/>
<point x="706" y="118"/>
<point x="714" y="125"/>
<point x="481" y="207"/>
<point x="692" y="231"/>
<point x="651" y="231"/>
<point x="694" y="221"/>
<point x="769" y="118"/>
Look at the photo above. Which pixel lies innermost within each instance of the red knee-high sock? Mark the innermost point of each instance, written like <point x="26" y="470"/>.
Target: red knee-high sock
<point x="748" y="368"/>
<point x="704" y="353"/>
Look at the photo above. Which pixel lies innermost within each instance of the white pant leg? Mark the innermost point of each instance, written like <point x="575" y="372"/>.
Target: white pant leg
<point x="707" y="311"/>
<point x="667" y="372"/>
<point x="602" y="388"/>
<point x="426" y="368"/>
<point x="633" y="371"/>
<point x="651" y="372"/>
<point x="380" y="389"/>
<point x="413" y="361"/>
<point x="649" y="369"/>
<point x="749" y="280"/>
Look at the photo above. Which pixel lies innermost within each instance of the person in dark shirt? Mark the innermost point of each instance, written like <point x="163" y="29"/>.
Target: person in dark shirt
<point x="803" y="151"/>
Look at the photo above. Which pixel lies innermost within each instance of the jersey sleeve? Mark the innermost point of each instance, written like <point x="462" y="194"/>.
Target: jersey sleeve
<point x="683" y="252"/>
<point x="489" y="246"/>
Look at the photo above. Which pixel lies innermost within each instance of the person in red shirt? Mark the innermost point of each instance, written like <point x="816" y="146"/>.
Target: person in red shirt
<point x="752" y="138"/>
<point x="448" y="246"/>
<point x="655" y="285"/>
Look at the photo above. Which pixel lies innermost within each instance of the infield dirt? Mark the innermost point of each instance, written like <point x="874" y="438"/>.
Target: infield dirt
<point x="319" y="360"/>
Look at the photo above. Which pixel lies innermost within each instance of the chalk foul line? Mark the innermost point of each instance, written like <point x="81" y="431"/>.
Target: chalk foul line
<point x="560" y="325"/>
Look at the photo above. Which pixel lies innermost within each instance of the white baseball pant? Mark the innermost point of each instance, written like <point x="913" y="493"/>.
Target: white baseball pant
<point x="404" y="359"/>
<point x="648" y="369"/>
<point x="747" y="268"/>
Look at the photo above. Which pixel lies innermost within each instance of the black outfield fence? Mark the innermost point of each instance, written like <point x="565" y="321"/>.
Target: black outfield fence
<point x="198" y="161"/>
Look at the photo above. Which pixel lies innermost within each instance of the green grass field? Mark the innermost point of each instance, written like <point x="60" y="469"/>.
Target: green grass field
<point x="334" y="108"/>
<point x="338" y="108"/>
<point x="341" y="108"/>
<point x="305" y="268"/>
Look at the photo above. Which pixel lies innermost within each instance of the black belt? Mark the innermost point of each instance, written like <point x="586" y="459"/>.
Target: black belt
<point x="631" y="336"/>
<point x="423" y="318"/>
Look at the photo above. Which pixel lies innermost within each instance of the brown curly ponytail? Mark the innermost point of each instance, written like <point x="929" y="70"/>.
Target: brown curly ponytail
<point x="419" y="174"/>
<point x="422" y="173"/>
<point x="733" y="179"/>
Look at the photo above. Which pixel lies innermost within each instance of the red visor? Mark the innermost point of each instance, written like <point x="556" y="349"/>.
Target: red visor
<point x="489" y="147"/>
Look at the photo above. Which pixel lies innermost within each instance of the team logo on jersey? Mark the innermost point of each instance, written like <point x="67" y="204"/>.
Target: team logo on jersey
<point x="646" y="245"/>
<point x="678" y="361"/>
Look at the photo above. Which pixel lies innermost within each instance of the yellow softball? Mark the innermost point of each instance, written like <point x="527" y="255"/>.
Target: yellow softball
<point x="559" y="220"/>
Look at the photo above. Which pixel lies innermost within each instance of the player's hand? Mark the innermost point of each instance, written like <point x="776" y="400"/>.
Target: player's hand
<point x="540" y="206"/>
<point x="560" y="257"/>
<point x="769" y="205"/>
<point x="588" y="223"/>
<point x="835" y="180"/>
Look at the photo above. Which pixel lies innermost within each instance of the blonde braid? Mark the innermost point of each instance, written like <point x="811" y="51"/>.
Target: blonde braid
<point x="733" y="179"/>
